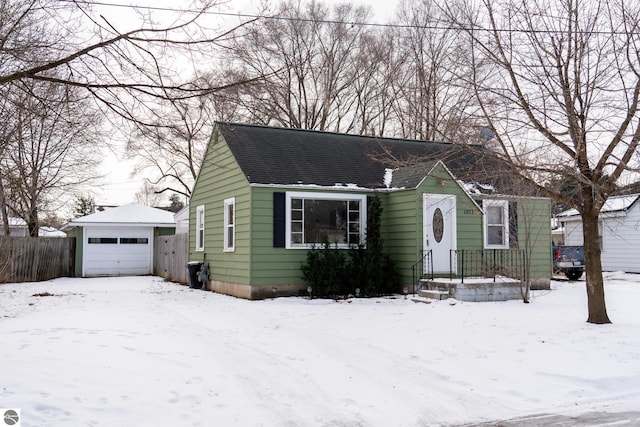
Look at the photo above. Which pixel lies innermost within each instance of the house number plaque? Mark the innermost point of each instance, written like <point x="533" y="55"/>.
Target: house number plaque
<point x="438" y="225"/>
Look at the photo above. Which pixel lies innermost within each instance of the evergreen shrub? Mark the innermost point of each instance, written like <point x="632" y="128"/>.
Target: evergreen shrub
<point x="336" y="272"/>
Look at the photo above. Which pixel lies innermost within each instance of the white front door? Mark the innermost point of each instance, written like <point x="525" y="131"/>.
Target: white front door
<point x="439" y="229"/>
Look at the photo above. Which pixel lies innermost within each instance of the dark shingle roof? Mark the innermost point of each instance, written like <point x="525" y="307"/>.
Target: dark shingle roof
<point x="411" y="176"/>
<point x="271" y="155"/>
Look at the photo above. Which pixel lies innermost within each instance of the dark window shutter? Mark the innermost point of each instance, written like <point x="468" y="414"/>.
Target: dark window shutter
<point x="279" y="216"/>
<point x="513" y="225"/>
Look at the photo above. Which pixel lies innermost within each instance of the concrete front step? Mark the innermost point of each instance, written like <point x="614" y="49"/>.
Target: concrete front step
<point x="473" y="289"/>
<point x="434" y="294"/>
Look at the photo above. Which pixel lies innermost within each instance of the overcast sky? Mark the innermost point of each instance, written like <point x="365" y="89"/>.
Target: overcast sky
<point x="119" y="186"/>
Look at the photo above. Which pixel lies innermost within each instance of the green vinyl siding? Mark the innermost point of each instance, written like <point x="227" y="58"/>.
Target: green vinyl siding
<point x="402" y="223"/>
<point x="269" y="265"/>
<point x="534" y="234"/>
<point x="78" y="233"/>
<point x="401" y="237"/>
<point x="164" y="231"/>
<point x="534" y="231"/>
<point x="220" y="178"/>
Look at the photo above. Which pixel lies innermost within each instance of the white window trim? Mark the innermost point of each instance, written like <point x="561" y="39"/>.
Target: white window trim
<point x="229" y="247"/>
<point x="504" y="204"/>
<point x="323" y="196"/>
<point x="200" y="220"/>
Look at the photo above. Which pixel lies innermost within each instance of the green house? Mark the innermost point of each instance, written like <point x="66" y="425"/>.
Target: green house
<point x="266" y="195"/>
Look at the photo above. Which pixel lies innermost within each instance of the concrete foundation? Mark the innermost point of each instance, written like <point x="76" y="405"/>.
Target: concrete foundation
<point x="541" y="284"/>
<point x="480" y="289"/>
<point x="253" y="292"/>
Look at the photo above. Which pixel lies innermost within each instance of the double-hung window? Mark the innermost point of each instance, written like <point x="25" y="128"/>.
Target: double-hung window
<point x="229" y="224"/>
<point x="313" y="219"/>
<point x="200" y="228"/>
<point x="496" y="224"/>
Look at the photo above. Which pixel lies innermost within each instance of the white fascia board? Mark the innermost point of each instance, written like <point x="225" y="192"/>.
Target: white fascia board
<point x="119" y="224"/>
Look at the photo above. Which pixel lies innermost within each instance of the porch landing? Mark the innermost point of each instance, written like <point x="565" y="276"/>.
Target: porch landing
<point x="473" y="289"/>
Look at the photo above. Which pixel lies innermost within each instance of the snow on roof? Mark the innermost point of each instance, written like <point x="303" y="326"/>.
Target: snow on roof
<point x="50" y="232"/>
<point x="619" y="203"/>
<point x="613" y="204"/>
<point x="131" y="214"/>
<point x="476" y="187"/>
<point x="16" y="222"/>
<point x="388" y="177"/>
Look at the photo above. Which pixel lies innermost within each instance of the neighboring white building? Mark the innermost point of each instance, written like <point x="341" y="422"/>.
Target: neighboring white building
<point x="182" y="220"/>
<point x="17" y="227"/>
<point x="557" y="236"/>
<point x="557" y="232"/>
<point x="619" y="229"/>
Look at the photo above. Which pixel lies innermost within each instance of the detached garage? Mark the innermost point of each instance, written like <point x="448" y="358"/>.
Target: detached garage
<point x="118" y="241"/>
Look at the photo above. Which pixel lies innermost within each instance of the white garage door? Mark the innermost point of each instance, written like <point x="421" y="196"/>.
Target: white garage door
<point x="117" y="251"/>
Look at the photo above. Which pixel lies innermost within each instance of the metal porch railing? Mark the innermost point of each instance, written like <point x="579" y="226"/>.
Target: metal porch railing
<point x="422" y="269"/>
<point x="487" y="263"/>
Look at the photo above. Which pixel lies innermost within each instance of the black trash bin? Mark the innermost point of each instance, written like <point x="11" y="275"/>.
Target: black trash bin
<point x="194" y="268"/>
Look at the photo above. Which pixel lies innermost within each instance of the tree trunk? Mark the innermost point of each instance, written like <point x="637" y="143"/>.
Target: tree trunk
<point x="4" y="212"/>
<point x="32" y="220"/>
<point x="593" y="270"/>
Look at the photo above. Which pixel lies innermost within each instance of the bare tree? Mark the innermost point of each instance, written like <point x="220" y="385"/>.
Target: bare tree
<point x="7" y="127"/>
<point x="148" y="194"/>
<point x="52" y="148"/>
<point x="527" y="216"/>
<point x="378" y="66"/>
<point x="126" y="66"/>
<point x="559" y="83"/>
<point x="170" y="151"/>
<point x="225" y="104"/>
<point x="124" y="69"/>
<point x="430" y="103"/>
<point x="310" y="55"/>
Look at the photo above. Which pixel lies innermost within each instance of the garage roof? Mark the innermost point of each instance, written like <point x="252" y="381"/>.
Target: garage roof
<point x="133" y="214"/>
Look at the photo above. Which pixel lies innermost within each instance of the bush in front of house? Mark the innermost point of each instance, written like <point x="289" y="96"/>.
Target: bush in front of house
<point x="334" y="272"/>
<point x="372" y="272"/>
<point x="374" y="269"/>
<point x="326" y="270"/>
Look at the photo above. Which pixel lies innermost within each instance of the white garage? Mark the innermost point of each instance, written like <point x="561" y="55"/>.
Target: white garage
<point x="119" y="241"/>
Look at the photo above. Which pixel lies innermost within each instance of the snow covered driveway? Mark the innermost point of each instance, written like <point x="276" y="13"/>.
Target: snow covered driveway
<point x="140" y="351"/>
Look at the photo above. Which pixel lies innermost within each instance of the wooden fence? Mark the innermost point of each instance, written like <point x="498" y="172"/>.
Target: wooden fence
<point x="33" y="259"/>
<point x="170" y="257"/>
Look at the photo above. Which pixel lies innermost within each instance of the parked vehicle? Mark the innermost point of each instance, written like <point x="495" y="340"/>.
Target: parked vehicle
<point x="568" y="260"/>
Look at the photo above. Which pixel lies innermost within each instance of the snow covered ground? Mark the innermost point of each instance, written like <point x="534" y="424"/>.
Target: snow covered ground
<point x="142" y="352"/>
